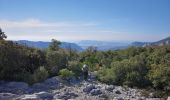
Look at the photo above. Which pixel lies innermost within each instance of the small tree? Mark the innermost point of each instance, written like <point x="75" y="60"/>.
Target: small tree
<point x="2" y="35"/>
<point x="54" y="45"/>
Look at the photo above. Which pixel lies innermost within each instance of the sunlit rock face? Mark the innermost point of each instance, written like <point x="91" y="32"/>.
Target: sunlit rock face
<point x="162" y="42"/>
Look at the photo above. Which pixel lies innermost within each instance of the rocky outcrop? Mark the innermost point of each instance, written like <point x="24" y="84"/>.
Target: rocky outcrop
<point x="95" y="92"/>
<point x="88" y="88"/>
<point x="13" y="87"/>
<point x="7" y="96"/>
<point x="165" y="41"/>
<point x="55" y="88"/>
<point x="66" y="96"/>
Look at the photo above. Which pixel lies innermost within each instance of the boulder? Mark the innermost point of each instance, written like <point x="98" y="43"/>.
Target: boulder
<point x="7" y="96"/>
<point x="118" y="98"/>
<point x="103" y="96"/>
<point x="117" y="92"/>
<point x="15" y="87"/>
<point x="109" y="88"/>
<point x="99" y="86"/>
<point x="141" y="98"/>
<point x="66" y="96"/>
<point x="52" y="83"/>
<point x="88" y="88"/>
<point x="95" y="92"/>
<point x="44" y="95"/>
<point x="154" y="99"/>
<point x="37" y="87"/>
<point x="28" y="97"/>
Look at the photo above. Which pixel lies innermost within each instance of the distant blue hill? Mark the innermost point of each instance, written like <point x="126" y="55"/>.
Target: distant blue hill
<point x="103" y="45"/>
<point x="80" y="46"/>
<point x="43" y="45"/>
<point x="165" y="41"/>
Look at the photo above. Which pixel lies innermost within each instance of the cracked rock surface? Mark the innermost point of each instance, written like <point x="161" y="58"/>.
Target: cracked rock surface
<point x="57" y="89"/>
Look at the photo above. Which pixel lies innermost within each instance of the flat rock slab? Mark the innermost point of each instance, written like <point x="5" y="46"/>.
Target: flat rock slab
<point x="7" y="96"/>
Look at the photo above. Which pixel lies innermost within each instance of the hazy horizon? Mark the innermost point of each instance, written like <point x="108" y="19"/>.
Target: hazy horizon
<point x="74" y="20"/>
<point x="78" y="41"/>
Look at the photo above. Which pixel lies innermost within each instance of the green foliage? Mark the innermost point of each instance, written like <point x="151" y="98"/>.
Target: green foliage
<point x="17" y="60"/>
<point x="54" y="46"/>
<point x="40" y="74"/>
<point x="66" y="74"/>
<point x="72" y="54"/>
<point x="2" y="35"/>
<point x="56" y="58"/>
<point x="159" y="75"/>
<point x="137" y="67"/>
<point x="134" y="66"/>
<point x="106" y="75"/>
<point x="75" y="67"/>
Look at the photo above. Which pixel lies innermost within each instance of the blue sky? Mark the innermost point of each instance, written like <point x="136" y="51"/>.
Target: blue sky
<point x="74" y="20"/>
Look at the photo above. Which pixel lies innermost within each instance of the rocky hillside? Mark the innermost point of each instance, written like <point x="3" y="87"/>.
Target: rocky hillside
<point x="165" y="41"/>
<point x="57" y="89"/>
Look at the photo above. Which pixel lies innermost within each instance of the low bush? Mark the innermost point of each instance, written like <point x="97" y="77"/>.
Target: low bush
<point x="17" y="60"/>
<point x="75" y="67"/>
<point x="106" y="75"/>
<point x="66" y="74"/>
<point x="40" y="74"/>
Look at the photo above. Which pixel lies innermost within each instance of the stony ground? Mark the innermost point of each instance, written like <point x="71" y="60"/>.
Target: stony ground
<point x="57" y="89"/>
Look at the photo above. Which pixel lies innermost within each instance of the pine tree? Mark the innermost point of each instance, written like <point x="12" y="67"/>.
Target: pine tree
<point x="2" y="35"/>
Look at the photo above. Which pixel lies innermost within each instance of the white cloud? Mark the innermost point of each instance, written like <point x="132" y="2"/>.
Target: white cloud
<point x="34" y="29"/>
<point x="37" y="30"/>
<point x="34" y="23"/>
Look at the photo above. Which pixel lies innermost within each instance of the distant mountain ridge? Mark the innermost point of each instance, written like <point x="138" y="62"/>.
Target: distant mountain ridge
<point x="42" y="44"/>
<point x="103" y="45"/>
<point x="165" y="41"/>
<point x="79" y="46"/>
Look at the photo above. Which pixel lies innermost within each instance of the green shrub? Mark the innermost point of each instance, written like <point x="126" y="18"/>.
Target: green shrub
<point x="106" y="75"/>
<point x="132" y="79"/>
<point x="40" y="74"/>
<point x="159" y="75"/>
<point x="66" y="74"/>
<point x="75" y="67"/>
<point x="17" y="60"/>
<point x="125" y="72"/>
<point x="56" y="60"/>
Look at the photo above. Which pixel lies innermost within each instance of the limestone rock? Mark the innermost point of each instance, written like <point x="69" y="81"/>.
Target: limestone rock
<point x="88" y="88"/>
<point x="117" y="92"/>
<point x="109" y="88"/>
<point x="95" y="92"/>
<point x="44" y="95"/>
<point x="66" y="96"/>
<point x="28" y="97"/>
<point x="7" y="96"/>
